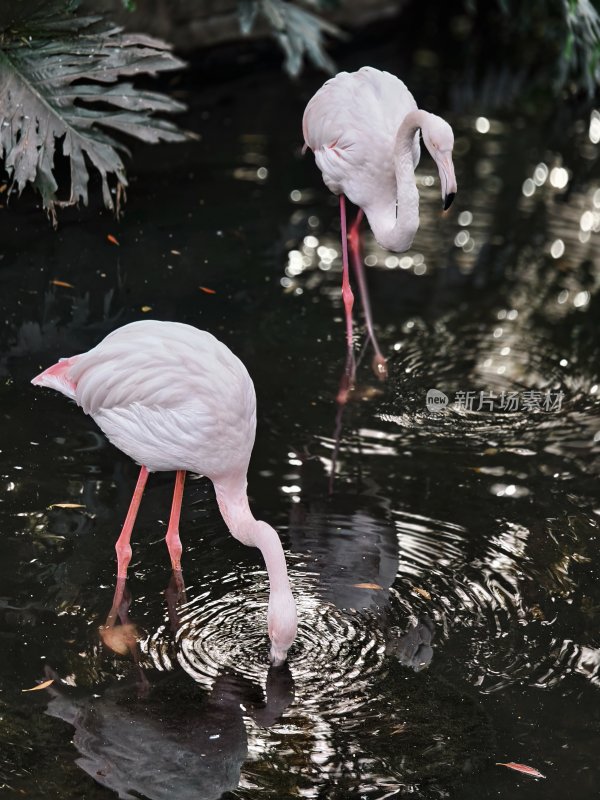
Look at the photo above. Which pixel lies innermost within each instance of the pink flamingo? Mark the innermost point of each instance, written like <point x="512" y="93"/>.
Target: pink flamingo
<point x="174" y="398"/>
<point x="363" y="128"/>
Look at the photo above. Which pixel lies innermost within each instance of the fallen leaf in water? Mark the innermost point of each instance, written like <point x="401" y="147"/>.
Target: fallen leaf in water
<point x="37" y="688"/>
<point x="490" y="451"/>
<point x="368" y="586"/>
<point x="146" y="309"/>
<point x="64" y="284"/>
<point x="119" y="638"/>
<point x="3" y="188"/>
<point x="175" y="253"/>
<point x="580" y="559"/>
<point x="398" y="728"/>
<point x="66" y="505"/>
<point x="112" y="239"/>
<point x="207" y="290"/>
<point x="364" y="393"/>
<point x="537" y="613"/>
<point x="521" y="768"/>
<point x="423" y="592"/>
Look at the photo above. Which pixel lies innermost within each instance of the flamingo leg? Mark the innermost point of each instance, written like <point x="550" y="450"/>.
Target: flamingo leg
<point x="172" y="538"/>
<point x="379" y="363"/>
<point x="116" y="603"/>
<point x="175" y="594"/>
<point x="347" y="295"/>
<point x="347" y="380"/>
<point x="122" y="545"/>
<point x="345" y="387"/>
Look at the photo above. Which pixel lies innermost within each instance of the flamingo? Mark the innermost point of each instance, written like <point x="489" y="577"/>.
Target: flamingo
<point x="363" y="128"/>
<point x="174" y="398"/>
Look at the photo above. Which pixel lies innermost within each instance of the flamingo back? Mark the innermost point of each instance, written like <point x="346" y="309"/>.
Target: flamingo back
<point x="168" y="395"/>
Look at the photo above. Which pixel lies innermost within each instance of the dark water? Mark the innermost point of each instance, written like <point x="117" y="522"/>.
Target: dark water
<point x="447" y="587"/>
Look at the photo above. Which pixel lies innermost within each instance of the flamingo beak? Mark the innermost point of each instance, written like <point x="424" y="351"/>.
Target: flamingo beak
<point x="447" y="179"/>
<point x="448" y="200"/>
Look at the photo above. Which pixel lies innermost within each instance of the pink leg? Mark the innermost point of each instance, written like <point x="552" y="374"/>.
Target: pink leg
<point x="347" y="295"/>
<point x="175" y="594"/>
<point x="379" y="363"/>
<point x="347" y="381"/>
<point x="116" y="603"/>
<point x="172" y="538"/>
<point x="122" y="546"/>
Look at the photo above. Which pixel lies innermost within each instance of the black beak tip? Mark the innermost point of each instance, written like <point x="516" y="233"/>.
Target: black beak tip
<point x="448" y="200"/>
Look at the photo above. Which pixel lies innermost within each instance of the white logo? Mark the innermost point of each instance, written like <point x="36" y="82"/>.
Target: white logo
<point x="436" y="400"/>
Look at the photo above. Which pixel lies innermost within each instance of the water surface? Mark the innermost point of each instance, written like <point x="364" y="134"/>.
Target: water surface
<point x="446" y="576"/>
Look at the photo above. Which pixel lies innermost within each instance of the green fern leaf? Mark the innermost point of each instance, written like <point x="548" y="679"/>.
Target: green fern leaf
<point x="60" y="80"/>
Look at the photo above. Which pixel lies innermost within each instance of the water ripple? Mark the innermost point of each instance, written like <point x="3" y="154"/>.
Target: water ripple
<point x="334" y="650"/>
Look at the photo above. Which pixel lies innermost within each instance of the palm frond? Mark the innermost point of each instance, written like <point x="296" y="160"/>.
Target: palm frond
<point x="299" y="32"/>
<point x="581" y="52"/>
<point x="60" y="80"/>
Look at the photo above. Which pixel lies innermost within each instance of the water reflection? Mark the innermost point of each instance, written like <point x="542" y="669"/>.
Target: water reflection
<point x="357" y="628"/>
<point x="445" y="580"/>
<point x="171" y="744"/>
<point x="161" y="737"/>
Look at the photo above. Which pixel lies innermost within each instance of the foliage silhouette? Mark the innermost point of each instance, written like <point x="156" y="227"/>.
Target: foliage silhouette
<point x="60" y="81"/>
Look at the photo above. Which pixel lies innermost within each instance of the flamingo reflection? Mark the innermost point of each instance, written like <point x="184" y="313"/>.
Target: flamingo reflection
<point x="164" y="738"/>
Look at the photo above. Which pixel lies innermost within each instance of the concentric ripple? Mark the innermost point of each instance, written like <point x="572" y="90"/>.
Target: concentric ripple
<point x="333" y="649"/>
<point x="346" y="681"/>
<point x="485" y="605"/>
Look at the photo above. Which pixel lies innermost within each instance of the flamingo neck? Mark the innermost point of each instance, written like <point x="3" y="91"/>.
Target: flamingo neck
<point x="282" y="619"/>
<point x="394" y="219"/>
<point x="235" y="510"/>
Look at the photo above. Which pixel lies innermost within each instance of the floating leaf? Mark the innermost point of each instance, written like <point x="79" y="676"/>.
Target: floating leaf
<point x="207" y="290"/>
<point x="112" y="239"/>
<point x="37" y="688"/>
<point x="364" y="393"/>
<point x="398" y="728"/>
<point x="423" y="592"/>
<point x="175" y="253"/>
<point x="146" y="309"/>
<point x="368" y="586"/>
<point x="66" y="505"/>
<point x="64" y="284"/>
<point x="120" y="638"/>
<point x="534" y="773"/>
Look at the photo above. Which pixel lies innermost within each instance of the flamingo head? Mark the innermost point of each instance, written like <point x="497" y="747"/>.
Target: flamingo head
<point x="282" y="622"/>
<point x="439" y="140"/>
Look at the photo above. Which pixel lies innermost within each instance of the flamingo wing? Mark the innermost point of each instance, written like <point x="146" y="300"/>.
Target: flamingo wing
<point x="163" y="365"/>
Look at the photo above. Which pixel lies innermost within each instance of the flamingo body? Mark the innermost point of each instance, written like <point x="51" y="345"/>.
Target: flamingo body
<point x="173" y="397"/>
<point x="351" y="124"/>
<point x="363" y="128"/>
<point x="170" y="396"/>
